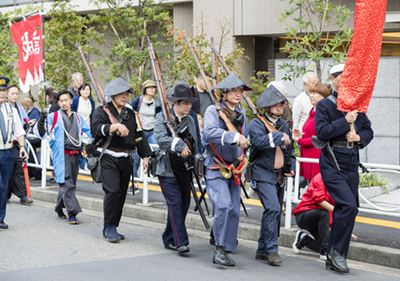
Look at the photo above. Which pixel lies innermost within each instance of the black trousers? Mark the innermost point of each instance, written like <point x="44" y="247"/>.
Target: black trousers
<point x="116" y="173"/>
<point x="317" y="223"/>
<point x="16" y="183"/>
<point x="176" y="192"/>
<point x="343" y="188"/>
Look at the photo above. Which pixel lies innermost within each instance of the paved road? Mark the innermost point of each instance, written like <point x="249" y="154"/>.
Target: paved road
<point x="367" y="232"/>
<point x="39" y="246"/>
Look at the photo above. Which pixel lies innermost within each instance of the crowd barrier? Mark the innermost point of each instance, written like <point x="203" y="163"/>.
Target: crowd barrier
<point x="292" y="194"/>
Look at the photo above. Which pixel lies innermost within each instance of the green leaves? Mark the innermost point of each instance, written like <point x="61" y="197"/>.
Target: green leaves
<point x="311" y="39"/>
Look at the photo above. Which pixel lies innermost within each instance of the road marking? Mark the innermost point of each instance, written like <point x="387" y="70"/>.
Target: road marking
<point x="391" y="224"/>
<point x="255" y="202"/>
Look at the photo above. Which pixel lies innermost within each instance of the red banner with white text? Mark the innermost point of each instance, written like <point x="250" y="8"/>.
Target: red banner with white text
<point x="28" y="35"/>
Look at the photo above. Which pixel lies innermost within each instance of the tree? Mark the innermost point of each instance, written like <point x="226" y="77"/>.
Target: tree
<point x="311" y="35"/>
<point x="8" y="50"/>
<point x="63" y="29"/>
<point x="185" y="65"/>
<point x="259" y="83"/>
<point x="130" y="25"/>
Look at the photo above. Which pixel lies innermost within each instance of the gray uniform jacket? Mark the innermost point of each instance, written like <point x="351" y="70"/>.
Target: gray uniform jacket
<point x="165" y="141"/>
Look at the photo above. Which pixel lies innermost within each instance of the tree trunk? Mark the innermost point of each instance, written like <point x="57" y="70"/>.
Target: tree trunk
<point x="317" y="62"/>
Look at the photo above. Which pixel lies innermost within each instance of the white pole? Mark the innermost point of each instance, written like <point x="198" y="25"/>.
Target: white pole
<point x="43" y="158"/>
<point x="289" y="188"/>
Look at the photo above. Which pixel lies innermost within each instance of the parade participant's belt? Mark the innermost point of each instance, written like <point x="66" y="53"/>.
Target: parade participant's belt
<point x="71" y="152"/>
<point x="344" y="144"/>
<point x="226" y="170"/>
<point x="117" y="149"/>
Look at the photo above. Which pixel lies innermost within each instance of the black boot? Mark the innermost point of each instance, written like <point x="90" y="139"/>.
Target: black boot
<point x="336" y="261"/>
<point x="221" y="257"/>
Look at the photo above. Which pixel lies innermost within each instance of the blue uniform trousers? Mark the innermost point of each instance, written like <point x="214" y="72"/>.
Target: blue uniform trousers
<point x="343" y="188"/>
<point x="268" y="193"/>
<point x="224" y="195"/>
<point x="176" y="192"/>
<point x="6" y="160"/>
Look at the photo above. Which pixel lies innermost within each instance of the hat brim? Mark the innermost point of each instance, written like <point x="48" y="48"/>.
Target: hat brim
<point x="189" y="99"/>
<point x="3" y="87"/>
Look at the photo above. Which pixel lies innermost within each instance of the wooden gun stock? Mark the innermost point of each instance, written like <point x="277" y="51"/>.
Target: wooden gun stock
<point x="213" y="94"/>
<point x="155" y="63"/>
<point x="270" y="128"/>
<point x="96" y="86"/>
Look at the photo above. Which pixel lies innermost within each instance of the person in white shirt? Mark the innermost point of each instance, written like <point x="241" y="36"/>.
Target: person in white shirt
<point x="10" y="129"/>
<point x="302" y="104"/>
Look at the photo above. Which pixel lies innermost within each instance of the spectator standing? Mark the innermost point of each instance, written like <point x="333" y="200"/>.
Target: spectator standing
<point x="16" y="183"/>
<point x="31" y="110"/>
<point x="307" y="149"/>
<point x="77" y="80"/>
<point x="302" y="104"/>
<point x="83" y="104"/>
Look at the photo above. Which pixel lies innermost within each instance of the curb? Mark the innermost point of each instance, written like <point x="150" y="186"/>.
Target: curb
<point x="358" y="251"/>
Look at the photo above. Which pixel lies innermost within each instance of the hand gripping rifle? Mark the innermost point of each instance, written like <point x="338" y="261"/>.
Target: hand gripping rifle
<point x="256" y="112"/>
<point x="213" y="95"/>
<point x="169" y="122"/>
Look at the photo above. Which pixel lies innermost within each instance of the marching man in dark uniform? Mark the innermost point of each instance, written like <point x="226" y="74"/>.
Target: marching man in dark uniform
<point x="116" y="164"/>
<point x="68" y="134"/>
<point x="225" y="147"/>
<point x="269" y="151"/>
<point x="175" y="179"/>
<point x="333" y="126"/>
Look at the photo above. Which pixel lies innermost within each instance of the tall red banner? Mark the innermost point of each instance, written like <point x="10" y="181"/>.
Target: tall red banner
<point x="28" y="35"/>
<point x="359" y="75"/>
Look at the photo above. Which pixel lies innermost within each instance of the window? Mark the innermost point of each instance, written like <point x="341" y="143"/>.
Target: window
<point x="5" y="3"/>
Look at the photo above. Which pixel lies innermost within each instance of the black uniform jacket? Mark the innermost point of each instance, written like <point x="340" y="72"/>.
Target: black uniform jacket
<point x="101" y="129"/>
<point x="331" y="125"/>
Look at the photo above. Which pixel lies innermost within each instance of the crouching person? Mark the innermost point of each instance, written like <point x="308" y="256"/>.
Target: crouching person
<point x="68" y="134"/>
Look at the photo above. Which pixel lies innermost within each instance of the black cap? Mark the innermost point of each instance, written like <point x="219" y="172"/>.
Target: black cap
<point x="182" y="92"/>
<point x="4" y="82"/>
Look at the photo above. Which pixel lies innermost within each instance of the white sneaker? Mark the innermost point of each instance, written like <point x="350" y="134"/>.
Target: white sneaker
<point x="297" y="242"/>
<point x="322" y="257"/>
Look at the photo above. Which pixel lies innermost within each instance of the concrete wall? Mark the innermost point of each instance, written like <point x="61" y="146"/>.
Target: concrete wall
<point x="384" y="111"/>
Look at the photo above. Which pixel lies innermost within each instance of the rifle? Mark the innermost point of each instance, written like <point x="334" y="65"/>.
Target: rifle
<point x="214" y="65"/>
<point x="155" y="63"/>
<point x="196" y="199"/>
<point x="96" y="87"/>
<point x="213" y="95"/>
<point x="251" y="105"/>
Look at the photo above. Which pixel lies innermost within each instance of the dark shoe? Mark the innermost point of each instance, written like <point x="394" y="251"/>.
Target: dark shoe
<point x="221" y="257"/>
<point x="3" y="225"/>
<point x="73" y="220"/>
<point x="336" y="261"/>
<point x="25" y="200"/>
<point x="261" y="256"/>
<point x="274" y="259"/>
<point x="121" y="236"/>
<point x="183" y="249"/>
<point x="212" y="241"/>
<point x="170" y="247"/>
<point x="60" y="214"/>
<point x="111" y="233"/>
<point x="297" y="244"/>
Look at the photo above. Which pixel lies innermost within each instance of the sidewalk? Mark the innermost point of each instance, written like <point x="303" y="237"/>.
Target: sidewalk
<point x="358" y="251"/>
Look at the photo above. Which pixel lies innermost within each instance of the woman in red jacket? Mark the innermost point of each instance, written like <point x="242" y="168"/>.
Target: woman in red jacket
<point x="314" y="213"/>
<point x="307" y="150"/>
